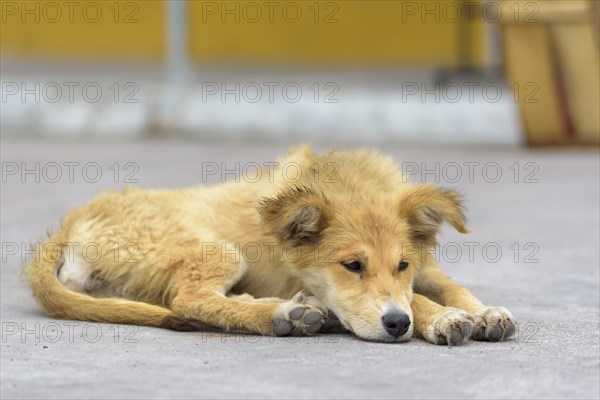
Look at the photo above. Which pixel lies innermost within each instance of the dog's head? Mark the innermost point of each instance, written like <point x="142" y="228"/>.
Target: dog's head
<point x="359" y="255"/>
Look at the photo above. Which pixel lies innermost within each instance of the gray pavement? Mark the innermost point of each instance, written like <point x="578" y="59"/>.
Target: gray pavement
<point x="533" y="248"/>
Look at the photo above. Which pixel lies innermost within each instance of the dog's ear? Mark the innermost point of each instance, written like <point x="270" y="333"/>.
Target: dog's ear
<point x="297" y="215"/>
<point x="426" y="208"/>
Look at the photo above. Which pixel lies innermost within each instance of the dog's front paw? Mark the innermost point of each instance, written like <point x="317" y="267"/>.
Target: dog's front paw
<point x="453" y="327"/>
<point x="494" y="324"/>
<point x="302" y="315"/>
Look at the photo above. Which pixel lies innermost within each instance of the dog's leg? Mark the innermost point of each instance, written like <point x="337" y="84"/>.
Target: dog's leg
<point x="491" y="323"/>
<point x="331" y="323"/>
<point x="203" y="297"/>
<point x="438" y="324"/>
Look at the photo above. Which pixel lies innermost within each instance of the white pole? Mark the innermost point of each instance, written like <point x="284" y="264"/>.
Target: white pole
<point x="176" y="62"/>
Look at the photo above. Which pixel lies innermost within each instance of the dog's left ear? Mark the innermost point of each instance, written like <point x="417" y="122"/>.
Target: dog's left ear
<point x="426" y="208"/>
<point x="297" y="215"/>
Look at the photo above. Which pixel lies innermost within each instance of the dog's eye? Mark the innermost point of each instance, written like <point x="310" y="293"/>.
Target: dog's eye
<point x="403" y="266"/>
<point x="354" y="266"/>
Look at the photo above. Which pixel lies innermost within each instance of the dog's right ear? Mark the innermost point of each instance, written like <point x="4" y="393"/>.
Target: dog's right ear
<point x="297" y="215"/>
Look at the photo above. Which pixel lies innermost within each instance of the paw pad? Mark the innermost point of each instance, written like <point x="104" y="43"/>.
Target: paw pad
<point x="453" y="328"/>
<point x="494" y="324"/>
<point x="299" y="316"/>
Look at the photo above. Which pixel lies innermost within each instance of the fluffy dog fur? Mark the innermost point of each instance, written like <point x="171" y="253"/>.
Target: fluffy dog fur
<point x="347" y="242"/>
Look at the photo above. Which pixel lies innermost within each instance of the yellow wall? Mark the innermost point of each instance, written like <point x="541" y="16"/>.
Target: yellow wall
<point x="364" y="31"/>
<point x="89" y="29"/>
<point x="367" y="31"/>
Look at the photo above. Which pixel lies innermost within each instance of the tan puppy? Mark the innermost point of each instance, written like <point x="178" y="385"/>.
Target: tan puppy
<point x="343" y="236"/>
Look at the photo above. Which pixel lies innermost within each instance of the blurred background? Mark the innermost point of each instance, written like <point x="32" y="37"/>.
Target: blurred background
<point x="501" y="72"/>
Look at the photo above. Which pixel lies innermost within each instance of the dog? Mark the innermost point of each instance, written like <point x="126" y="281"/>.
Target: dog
<point x="346" y="243"/>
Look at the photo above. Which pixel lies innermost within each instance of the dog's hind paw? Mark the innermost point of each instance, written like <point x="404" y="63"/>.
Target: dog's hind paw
<point x="453" y="327"/>
<point x="494" y="324"/>
<point x="302" y="315"/>
<point x="181" y="324"/>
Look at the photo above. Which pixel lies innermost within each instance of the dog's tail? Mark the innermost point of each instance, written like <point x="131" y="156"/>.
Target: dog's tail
<point x="60" y="302"/>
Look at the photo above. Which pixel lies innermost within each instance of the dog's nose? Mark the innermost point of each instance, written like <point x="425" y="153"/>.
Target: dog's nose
<point x="396" y="324"/>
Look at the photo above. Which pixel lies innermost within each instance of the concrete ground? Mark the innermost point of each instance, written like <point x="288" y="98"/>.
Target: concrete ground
<point x="534" y="242"/>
